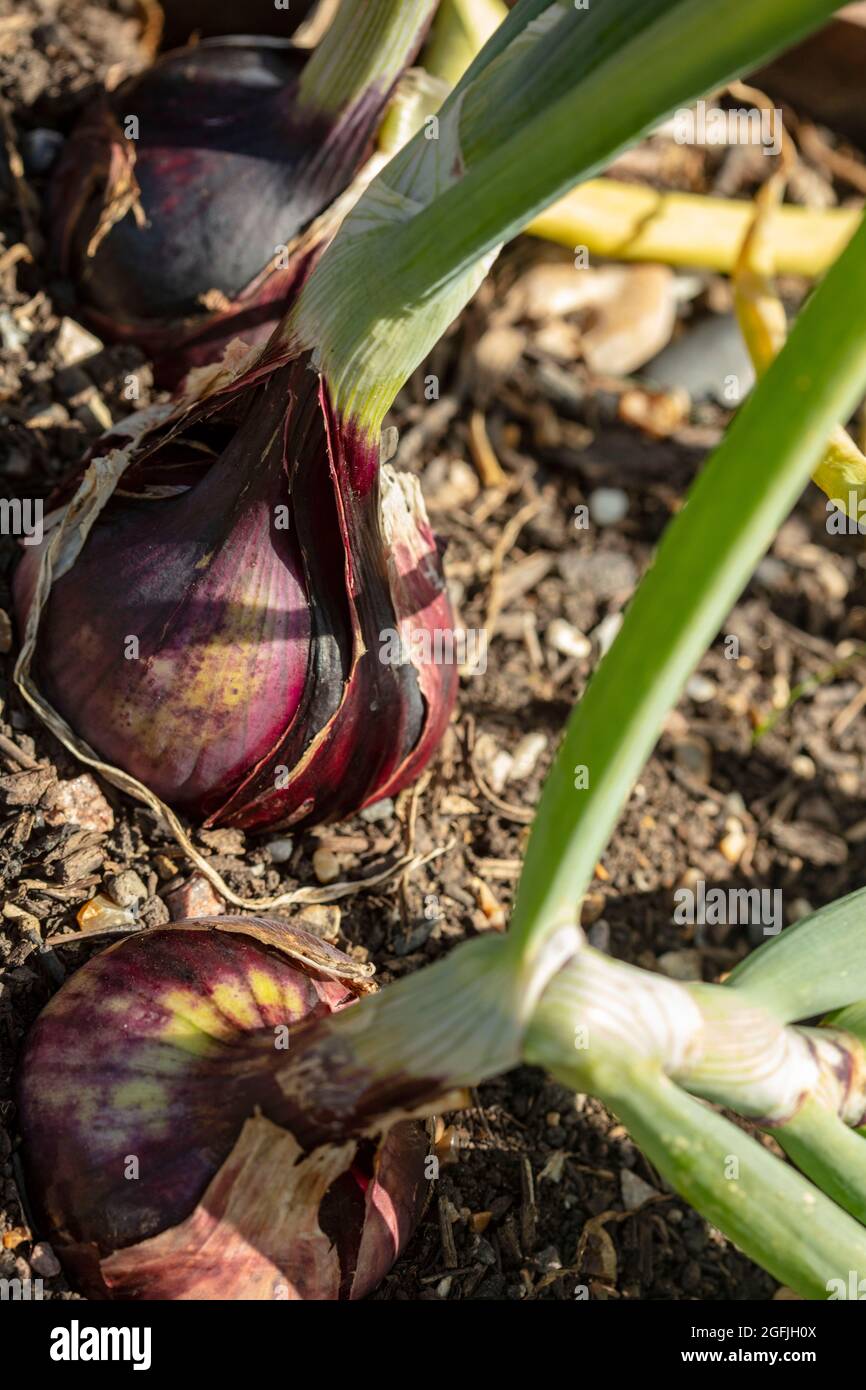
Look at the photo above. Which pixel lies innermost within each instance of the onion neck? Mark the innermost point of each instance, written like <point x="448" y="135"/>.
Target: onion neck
<point x="569" y="83"/>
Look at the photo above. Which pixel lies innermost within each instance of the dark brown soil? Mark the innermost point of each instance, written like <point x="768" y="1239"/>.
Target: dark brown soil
<point x="758" y="780"/>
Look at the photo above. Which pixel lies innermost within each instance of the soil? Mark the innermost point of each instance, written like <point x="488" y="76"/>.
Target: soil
<point x="757" y="781"/>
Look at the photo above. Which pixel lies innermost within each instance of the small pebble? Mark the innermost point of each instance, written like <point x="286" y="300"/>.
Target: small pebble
<point x="195" y="898"/>
<point x="11" y="334"/>
<point x="499" y="771"/>
<point x="43" y="1260"/>
<point x="704" y="359"/>
<point x="74" y="343"/>
<point x="606" y="632"/>
<point x="832" y="581"/>
<point x="100" y="913"/>
<point x="492" y="910"/>
<point x="165" y="867"/>
<point x="599" y="935"/>
<point x="526" y="755"/>
<point x="447" y="1146"/>
<point x="798" y="909"/>
<point x="802" y="766"/>
<point x="856" y="833"/>
<point x="484" y="1252"/>
<point x="154" y="912"/>
<point x="690" y="878"/>
<point x="608" y="506"/>
<point x="48" y="418"/>
<point x="280" y="850"/>
<point x="591" y="909"/>
<point x="848" y="783"/>
<point x="224" y="841"/>
<point x="772" y="573"/>
<point x="780" y="691"/>
<point x="450" y="485"/>
<point x="79" y="802"/>
<point x="380" y="810"/>
<point x="680" y="965"/>
<point x="694" y="755"/>
<point x="322" y="919"/>
<point x="492" y="761"/>
<point x="40" y="148"/>
<point x="657" y="413"/>
<point x="635" y="1192"/>
<point x="549" y="1259"/>
<point x="701" y="689"/>
<point x="454" y="805"/>
<point x="94" y="413"/>
<point x="567" y="640"/>
<point x="126" y="888"/>
<point x="733" y="844"/>
<point x="606" y="574"/>
<point x="326" y="866"/>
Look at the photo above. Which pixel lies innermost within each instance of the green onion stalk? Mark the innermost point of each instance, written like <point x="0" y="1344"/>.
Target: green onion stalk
<point x="266" y="1099"/>
<point x="633" y="221"/>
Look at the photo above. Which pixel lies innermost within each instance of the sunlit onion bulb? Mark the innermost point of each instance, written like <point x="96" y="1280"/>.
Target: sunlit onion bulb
<point x="231" y="646"/>
<point x="146" y="1161"/>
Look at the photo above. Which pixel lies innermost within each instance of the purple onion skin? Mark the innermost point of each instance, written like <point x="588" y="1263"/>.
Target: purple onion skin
<point x="155" y="1054"/>
<point x="228" y="170"/>
<point x="217" y="599"/>
<point x="258" y="696"/>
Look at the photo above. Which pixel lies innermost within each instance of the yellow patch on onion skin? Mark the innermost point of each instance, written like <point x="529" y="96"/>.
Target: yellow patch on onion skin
<point x="189" y="1039"/>
<point x="295" y="1001"/>
<point x="265" y="989"/>
<point x="196" y="1011"/>
<point x="145" y="1093"/>
<point x="234" y="999"/>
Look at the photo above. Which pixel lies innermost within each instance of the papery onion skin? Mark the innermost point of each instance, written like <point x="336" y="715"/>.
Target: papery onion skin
<point x="134" y="1085"/>
<point x="225" y="169"/>
<point x="257" y="694"/>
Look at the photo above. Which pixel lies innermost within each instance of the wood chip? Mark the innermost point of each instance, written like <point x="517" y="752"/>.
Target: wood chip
<point x="26" y="788"/>
<point x="810" y="842"/>
<point x="446" y="1232"/>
